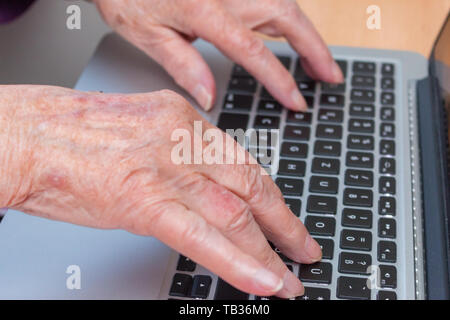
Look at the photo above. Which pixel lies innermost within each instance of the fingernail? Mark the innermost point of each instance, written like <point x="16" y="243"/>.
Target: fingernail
<point x="337" y="72"/>
<point x="313" y="250"/>
<point x="203" y="97"/>
<point x="292" y="286"/>
<point x="268" y="281"/>
<point x="299" y="102"/>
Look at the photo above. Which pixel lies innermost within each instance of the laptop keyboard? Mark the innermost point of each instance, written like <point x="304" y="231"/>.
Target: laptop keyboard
<point x="335" y="165"/>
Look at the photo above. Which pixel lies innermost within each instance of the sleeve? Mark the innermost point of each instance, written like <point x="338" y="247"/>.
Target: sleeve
<point x="9" y="10"/>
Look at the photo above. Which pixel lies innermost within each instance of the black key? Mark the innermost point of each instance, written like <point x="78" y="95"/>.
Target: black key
<point x="320" y="226"/>
<point x="224" y="291"/>
<point x="364" y="67"/>
<point x="387" y="228"/>
<point x="386" y="185"/>
<point x="278" y="251"/>
<point x="306" y="86"/>
<point x="309" y="101"/>
<point x="333" y="87"/>
<point x="285" y="61"/>
<point x="387" y="98"/>
<point x="387" y="147"/>
<point x="263" y="138"/>
<point x="386" y="206"/>
<point x="295" y="205"/>
<point x="294" y="150"/>
<point x="361" y="125"/>
<point x="312" y="293"/>
<point x="363" y="81"/>
<point x="328" y="131"/>
<point x="266" y="122"/>
<point x="387" y="166"/>
<point x="232" y="121"/>
<point x="387" y="69"/>
<point x="343" y="65"/>
<point x="321" y="204"/>
<point x="298" y="117"/>
<point x="292" y="168"/>
<point x="359" y="178"/>
<point x="387" y="130"/>
<point x="181" y="285"/>
<point x="290" y="187"/>
<point x="387" y="114"/>
<point x="386" y="295"/>
<point x="241" y="84"/>
<point x="362" y="110"/>
<point x="299" y="73"/>
<point x="327" y="246"/>
<point x="387" y="251"/>
<point x="362" y="95"/>
<point x="355" y="263"/>
<point x="327" y="148"/>
<point x="185" y="264"/>
<point x="291" y="269"/>
<point x="264" y="156"/>
<point x="325" y="166"/>
<point x="296" y="133"/>
<point x="321" y="184"/>
<point x="330" y="115"/>
<point x="269" y="106"/>
<point x="359" y="160"/>
<point x="358" y="197"/>
<point x="357" y="218"/>
<point x="332" y="100"/>
<point x="239" y="71"/>
<point x="319" y="272"/>
<point x="387" y="83"/>
<point x="237" y="102"/>
<point x="201" y="286"/>
<point x="388" y="276"/>
<point x="266" y="95"/>
<point x="356" y="240"/>
<point x="352" y="288"/>
<point x="360" y="142"/>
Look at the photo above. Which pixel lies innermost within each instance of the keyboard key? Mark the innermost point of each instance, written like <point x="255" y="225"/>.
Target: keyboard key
<point x="386" y="185"/>
<point x="185" y="264"/>
<point x="328" y="131"/>
<point x="387" y="114"/>
<point x="387" y="228"/>
<point x="266" y="95"/>
<point x="387" y="166"/>
<point x="292" y="168"/>
<point x="358" y="197"/>
<point x="320" y="226"/>
<point x="181" y="285"/>
<point x="354" y="263"/>
<point x="224" y="291"/>
<point x="306" y="86"/>
<point x="330" y="115"/>
<point x="359" y="160"/>
<point x="298" y="117"/>
<point x="386" y="295"/>
<point x="295" y="205"/>
<point x="364" y="67"/>
<point x="264" y="156"/>
<point x="241" y="84"/>
<point x="388" y="276"/>
<point x="239" y="71"/>
<point x="285" y="61"/>
<point x="386" y="206"/>
<point x="201" y="286"/>
<point x="387" y="130"/>
<point x="358" y="178"/>
<point x="280" y="254"/>
<point x="262" y="138"/>
<point x="294" y="150"/>
<point x="312" y="293"/>
<point x="327" y="148"/>
<point x="387" y="69"/>
<point x="387" y="251"/>
<point x="387" y="83"/>
<point x="296" y="133"/>
<point x="238" y="102"/>
<point x="343" y="65"/>
<point x="266" y="122"/>
<point x="356" y="240"/>
<point x="362" y="95"/>
<point x="321" y="184"/>
<point x="290" y="187"/>
<point x="361" y="125"/>
<point x="309" y="101"/>
<point x="269" y="106"/>
<point x="233" y="121"/>
<point x="362" y="110"/>
<point x="360" y="142"/>
<point x="363" y="81"/>
<point x="352" y="288"/>
<point x="332" y="100"/>
<point x="387" y="147"/>
<point x="333" y="87"/>
<point x="319" y="272"/>
<point x="357" y="218"/>
<point x="299" y="73"/>
<point x="387" y="98"/>
<point x="325" y="166"/>
<point x="321" y="204"/>
<point x="327" y="246"/>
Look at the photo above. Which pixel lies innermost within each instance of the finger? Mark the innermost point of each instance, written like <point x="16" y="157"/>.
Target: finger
<point x="232" y="217"/>
<point x="191" y="235"/>
<point x="241" y="45"/>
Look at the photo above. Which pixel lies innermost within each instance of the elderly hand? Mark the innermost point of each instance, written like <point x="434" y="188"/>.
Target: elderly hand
<point x="164" y="29"/>
<point x="104" y="161"/>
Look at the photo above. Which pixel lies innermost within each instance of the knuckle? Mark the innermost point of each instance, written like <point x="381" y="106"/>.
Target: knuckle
<point x="252" y="47"/>
<point x="238" y="219"/>
<point x="194" y="234"/>
<point x="254" y="184"/>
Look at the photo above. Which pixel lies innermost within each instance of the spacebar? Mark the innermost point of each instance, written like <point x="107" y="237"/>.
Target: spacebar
<point x="224" y="291"/>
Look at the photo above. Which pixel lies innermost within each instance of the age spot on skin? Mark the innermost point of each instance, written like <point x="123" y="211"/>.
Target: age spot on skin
<point x="55" y="179"/>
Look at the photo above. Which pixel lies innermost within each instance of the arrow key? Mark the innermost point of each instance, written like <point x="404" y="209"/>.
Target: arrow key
<point x="201" y="286"/>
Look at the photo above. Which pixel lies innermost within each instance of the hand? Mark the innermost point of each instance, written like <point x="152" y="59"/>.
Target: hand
<point x="164" y="29"/>
<point x="104" y="161"/>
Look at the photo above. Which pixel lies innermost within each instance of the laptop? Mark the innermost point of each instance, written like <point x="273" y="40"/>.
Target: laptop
<point x="365" y="168"/>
